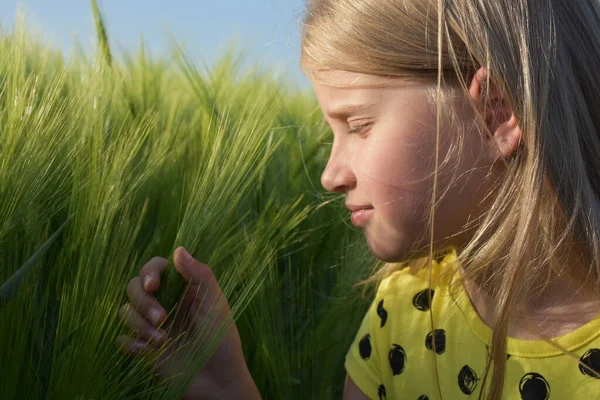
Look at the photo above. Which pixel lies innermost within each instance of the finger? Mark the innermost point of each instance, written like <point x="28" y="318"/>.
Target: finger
<point x="204" y="290"/>
<point x="191" y="269"/>
<point x="132" y="319"/>
<point x="145" y="303"/>
<point x="138" y="348"/>
<point x="151" y="272"/>
<point x="131" y="346"/>
<point x="203" y="284"/>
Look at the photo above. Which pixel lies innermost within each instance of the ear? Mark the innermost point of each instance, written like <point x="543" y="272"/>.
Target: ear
<point x="499" y="117"/>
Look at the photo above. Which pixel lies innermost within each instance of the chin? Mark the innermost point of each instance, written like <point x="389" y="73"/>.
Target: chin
<point x="390" y="254"/>
<point x="397" y="251"/>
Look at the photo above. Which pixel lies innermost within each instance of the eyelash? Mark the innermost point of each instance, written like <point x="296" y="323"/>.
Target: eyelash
<point x="357" y="129"/>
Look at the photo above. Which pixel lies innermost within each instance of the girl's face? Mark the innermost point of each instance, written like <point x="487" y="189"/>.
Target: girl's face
<point x="383" y="158"/>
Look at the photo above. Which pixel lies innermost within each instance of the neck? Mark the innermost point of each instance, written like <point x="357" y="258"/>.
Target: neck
<point x="565" y="303"/>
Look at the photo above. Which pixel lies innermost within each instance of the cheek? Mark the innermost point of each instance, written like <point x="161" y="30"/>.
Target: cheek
<point x="397" y="176"/>
<point x="398" y="164"/>
<point x="398" y="186"/>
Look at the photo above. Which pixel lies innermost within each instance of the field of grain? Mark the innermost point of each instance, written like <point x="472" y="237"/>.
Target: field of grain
<point x="107" y="161"/>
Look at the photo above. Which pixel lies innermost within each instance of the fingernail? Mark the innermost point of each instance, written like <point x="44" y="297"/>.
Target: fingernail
<point x="123" y="310"/>
<point x="139" y="345"/>
<point x="159" y="334"/>
<point x="146" y="281"/>
<point x="154" y="315"/>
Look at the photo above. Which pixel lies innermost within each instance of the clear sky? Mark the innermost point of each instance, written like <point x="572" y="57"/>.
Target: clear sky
<point x="267" y="30"/>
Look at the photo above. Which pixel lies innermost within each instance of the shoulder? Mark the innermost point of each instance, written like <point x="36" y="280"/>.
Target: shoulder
<point x="405" y="296"/>
<point x="394" y="328"/>
<point x="402" y="279"/>
<point x="410" y="282"/>
<point x="402" y="292"/>
<point x="434" y="272"/>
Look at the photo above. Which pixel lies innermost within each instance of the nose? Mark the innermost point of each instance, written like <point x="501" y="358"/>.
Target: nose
<point x="338" y="175"/>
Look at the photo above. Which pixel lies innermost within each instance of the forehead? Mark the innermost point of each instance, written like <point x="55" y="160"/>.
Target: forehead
<point x="337" y="89"/>
<point x="344" y="90"/>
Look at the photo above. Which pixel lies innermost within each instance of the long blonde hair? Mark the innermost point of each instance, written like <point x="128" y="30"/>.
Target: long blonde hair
<point x="543" y="55"/>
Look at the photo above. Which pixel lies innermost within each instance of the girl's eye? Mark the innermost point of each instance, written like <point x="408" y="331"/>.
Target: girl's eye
<point x="358" y="129"/>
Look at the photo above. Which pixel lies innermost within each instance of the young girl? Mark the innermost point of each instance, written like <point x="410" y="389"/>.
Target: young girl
<point x="467" y="145"/>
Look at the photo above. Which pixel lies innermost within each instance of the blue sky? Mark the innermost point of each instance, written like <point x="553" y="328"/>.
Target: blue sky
<point x="268" y="30"/>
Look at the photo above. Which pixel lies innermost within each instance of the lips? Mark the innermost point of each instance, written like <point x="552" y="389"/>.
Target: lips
<point x="353" y="208"/>
<point x="359" y="214"/>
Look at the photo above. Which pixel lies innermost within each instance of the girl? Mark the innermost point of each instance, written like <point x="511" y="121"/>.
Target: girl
<point x="468" y="127"/>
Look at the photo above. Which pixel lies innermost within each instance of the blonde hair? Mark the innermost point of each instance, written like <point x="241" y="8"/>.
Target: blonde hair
<point x="543" y="56"/>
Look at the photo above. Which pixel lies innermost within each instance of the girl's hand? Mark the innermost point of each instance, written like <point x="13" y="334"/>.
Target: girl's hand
<point x="225" y="375"/>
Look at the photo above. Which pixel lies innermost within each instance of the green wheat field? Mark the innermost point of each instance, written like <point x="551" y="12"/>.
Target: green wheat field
<point x="109" y="160"/>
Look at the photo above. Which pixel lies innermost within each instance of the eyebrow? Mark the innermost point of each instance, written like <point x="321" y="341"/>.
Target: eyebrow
<point x="345" y="109"/>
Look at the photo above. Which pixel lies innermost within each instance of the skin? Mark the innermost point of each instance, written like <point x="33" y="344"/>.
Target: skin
<point x="386" y="163"/>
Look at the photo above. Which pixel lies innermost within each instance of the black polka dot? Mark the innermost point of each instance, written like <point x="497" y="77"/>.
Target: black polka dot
<point x="591" y="359"/>
<point x="398" y="359"/>
<point x="440" y="340"/>
<point x="381" y="392"/>
<point x="364" y="346"/>
<point x="533" y="386"/>
<point x="421" y="299"/>
<point x="382" y="312"/>
<point x="423" y="397"/>
<point x="467" y="380"/>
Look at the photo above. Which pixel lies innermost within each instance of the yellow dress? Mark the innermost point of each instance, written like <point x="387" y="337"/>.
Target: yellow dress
<point x="392" y="356"/>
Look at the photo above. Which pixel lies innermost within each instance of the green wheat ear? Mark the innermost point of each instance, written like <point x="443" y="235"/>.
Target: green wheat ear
<point x="172" y="286"/>
<point x="101" y="32"/>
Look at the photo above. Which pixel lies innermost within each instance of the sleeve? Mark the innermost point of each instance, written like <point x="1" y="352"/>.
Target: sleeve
<point x="362" y="359"/>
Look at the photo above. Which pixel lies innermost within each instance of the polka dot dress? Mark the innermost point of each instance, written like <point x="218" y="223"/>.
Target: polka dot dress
<point x="393" y="354"/>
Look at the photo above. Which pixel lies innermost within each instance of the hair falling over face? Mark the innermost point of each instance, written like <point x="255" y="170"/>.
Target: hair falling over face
<point x="544" y="220"/>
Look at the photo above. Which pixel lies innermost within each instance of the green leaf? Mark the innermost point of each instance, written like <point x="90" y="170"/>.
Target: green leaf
<point x="10" y="287"/>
